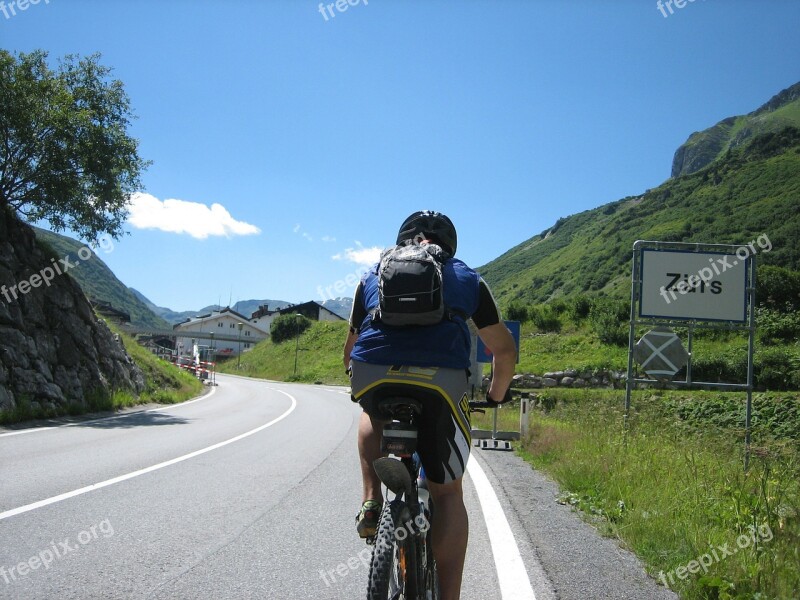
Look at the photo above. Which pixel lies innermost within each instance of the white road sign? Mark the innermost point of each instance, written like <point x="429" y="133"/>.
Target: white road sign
<point x="706" y="286"/>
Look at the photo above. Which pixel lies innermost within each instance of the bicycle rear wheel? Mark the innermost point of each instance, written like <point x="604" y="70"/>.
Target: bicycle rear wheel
<point x="431" y="577"/>
<point x="393" y="569"/>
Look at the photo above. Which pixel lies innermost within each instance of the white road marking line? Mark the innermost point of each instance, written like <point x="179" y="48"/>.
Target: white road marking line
<point x="108" y="482"/>
<point x="511" y="573"/>
<point x="138" y="412"/>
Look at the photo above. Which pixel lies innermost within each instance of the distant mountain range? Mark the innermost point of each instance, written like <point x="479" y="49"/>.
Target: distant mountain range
<point x="243" y="307"/>
<point x="340" y="306"/>
<point x="99" y="283"/>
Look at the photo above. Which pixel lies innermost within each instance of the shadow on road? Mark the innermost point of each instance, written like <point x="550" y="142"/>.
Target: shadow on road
<point x="141" y="419"/>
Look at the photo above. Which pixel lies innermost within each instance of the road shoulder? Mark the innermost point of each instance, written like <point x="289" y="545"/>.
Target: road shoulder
<point x="578" y="562"/>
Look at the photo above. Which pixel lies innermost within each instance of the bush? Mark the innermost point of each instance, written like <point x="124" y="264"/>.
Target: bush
<point x="727" y="367"/>
<point x="286" y="327"/>
<point x="774" y="326"/>
<point x="609" y="321"/>
<point x="545" y="318"/>
<point x="777" y="287"/>
<point x="517" y="311"/>
<point x="559" y="306"/>
<point x="580" y="307"/>
<point x="777" y="369"/>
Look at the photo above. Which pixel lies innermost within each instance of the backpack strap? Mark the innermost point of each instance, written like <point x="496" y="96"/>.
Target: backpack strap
<point x="449" y="313"/>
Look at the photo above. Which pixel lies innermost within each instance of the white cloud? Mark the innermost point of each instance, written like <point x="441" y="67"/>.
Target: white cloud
<point x="360" y="255"/>
<point x="180" y="216"/>
<point x="328" y="238"/>
<point x="299" y="230"/>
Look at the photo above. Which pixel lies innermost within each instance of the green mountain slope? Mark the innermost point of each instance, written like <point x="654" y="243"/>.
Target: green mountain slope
<point x="98" y="281"/>
<point x="704" y="147"/>
<point x="752" y="191"/>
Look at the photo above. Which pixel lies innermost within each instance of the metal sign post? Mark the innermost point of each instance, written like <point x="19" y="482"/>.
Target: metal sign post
<point x="691" y="286"/>
<point x="494" y="440"/>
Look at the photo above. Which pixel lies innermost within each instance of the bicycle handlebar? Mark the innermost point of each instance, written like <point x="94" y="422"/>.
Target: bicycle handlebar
<point x="474" y="405"/>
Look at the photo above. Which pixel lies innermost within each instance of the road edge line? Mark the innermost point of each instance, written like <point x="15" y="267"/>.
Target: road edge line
<point x="96" y="486"/>
<point x="511" y="572"/>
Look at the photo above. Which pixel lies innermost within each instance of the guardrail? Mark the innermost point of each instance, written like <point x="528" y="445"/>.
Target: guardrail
<point x="200" y="335"/>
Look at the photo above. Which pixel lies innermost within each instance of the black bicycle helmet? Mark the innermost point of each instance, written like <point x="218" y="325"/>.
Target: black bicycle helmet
<point x="429" y="225"/>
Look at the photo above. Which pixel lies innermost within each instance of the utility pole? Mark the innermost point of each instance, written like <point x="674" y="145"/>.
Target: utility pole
<point x="239" y="357"/>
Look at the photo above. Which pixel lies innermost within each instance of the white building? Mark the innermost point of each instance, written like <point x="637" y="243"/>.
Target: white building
<point x="227" y="336"/>
<point x="263" y="317"/>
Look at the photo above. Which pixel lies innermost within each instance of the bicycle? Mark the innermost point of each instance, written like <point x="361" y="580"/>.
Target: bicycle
<point x="402" y="565"/>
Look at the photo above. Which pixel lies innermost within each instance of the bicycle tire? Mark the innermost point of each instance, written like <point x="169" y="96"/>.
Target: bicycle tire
<point x="386" y="582"/>
<point x="431" y="575"/>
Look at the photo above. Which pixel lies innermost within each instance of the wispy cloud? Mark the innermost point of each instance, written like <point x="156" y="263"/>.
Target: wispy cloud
<point x="299" y="230"/>
<point x="181" y="216"/>
<point x="328" y="238"/>
<point x="360" y="255"/>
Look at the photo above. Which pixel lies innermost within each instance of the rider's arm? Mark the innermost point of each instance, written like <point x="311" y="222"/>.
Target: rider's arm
<point x="357" y="316"/>
<point x="352" y="336"/>
<point x="498" y="339"/>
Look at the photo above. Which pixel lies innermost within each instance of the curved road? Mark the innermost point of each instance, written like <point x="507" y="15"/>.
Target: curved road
<point x="250" y="492"/>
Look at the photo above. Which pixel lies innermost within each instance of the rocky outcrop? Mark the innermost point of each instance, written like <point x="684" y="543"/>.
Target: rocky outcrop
<point x="53" y="350"/>
<point x="704" y="147"/>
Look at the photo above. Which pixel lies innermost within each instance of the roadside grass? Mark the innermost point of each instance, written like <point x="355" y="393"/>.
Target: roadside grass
<point x="319" y="357"/>
<point x="673" y="489"/>
<point x="572" y="349"/>
<point x="577" y="347"/>
<point x="164" y="384"/>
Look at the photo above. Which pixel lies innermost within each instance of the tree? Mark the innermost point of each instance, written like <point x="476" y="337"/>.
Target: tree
<point x="65" y="153"/>
<point x="287" y="327"/>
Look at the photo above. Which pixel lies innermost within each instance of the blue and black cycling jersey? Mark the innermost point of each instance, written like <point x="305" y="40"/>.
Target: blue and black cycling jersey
<point x="446" y="344"/>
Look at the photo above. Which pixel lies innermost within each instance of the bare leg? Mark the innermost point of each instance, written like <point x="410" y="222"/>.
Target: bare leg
<point x="369" y="450"/>
<point x="450" y="534"/>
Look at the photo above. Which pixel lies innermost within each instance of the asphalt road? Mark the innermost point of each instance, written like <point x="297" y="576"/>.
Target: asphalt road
<point x="250" y="492"/>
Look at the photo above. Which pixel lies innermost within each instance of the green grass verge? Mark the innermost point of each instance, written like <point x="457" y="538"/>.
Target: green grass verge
<point x="674" y="489"/>
<point x="570" y="349"/>
<point x="164" y="384"/>
<point x="319" y="357"/>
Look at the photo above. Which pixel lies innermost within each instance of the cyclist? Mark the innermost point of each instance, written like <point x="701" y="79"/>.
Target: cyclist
<point x="434" y="360"/>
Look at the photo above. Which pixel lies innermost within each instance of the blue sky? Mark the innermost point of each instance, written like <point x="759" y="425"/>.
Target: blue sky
<point x="317" y="134"/>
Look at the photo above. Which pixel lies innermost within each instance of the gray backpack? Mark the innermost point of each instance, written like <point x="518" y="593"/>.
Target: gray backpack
<point x="410" y="286"/>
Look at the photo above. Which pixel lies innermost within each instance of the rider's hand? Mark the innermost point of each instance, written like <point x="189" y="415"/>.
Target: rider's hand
<point x="506" y="398"/>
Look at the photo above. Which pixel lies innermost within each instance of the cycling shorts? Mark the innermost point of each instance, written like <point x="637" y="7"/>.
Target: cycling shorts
<point x="444" y="438"/>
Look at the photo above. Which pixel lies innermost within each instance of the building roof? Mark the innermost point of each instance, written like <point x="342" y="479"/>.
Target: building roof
<point x="227" y="311"/>
<point x="308" y="308"/>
